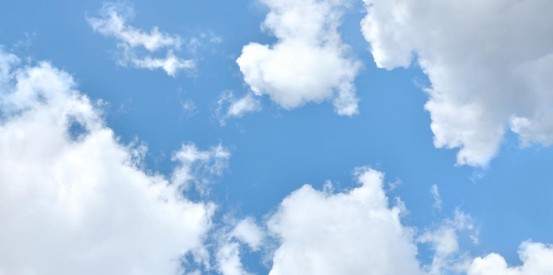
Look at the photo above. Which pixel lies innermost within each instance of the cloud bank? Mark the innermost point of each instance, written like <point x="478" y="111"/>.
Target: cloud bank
<point x="308" y="62"/>
<point x="489" y="64"/>
<point x="356" y="232"/>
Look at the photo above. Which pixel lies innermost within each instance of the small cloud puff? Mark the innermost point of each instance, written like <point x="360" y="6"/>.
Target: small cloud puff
<point x="308" y="63"/>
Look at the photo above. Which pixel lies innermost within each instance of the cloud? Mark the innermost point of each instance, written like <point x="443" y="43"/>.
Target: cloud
<point x="227" y="255"/>
<point x="354" y="232"/>
<point x="537" y="259"/>
<point x="228" y="106"/>
<point x="229" y="261"/>
<point x="170" y="63"/>
<point x="247" y="232"/>
<point x="444" y="242"/>
<point x="358" y="232"/>
<point x="436" y="196"/>
<point x="198" y="167"/>
<point x="113" y="22"/>
<point x="189" y="107"/>
<point x="73" y="200"/>
<point x="489" y="64"/>
<point x="308" y="62"/>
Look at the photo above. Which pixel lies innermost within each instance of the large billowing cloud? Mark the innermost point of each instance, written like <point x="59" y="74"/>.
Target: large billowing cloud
<point x="537" y="259"/>
<point x="245" y="232"/>
<point x="356" y="232"/>
<point x="308" y="62"/>
<point x="73" y="200"/>
<point x="489" y="64"/>
<point x="113" y="22"/>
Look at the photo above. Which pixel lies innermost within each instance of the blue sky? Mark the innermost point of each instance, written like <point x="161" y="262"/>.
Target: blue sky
<point x="486" y="91"/>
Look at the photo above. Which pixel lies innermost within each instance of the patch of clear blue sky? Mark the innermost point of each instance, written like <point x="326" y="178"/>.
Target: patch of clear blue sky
<point x="276" y="151"/>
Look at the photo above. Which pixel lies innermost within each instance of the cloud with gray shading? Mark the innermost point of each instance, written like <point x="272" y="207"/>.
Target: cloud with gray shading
<point x="489" y="64"/>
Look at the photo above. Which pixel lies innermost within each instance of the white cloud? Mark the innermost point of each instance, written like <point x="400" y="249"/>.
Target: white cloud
<point x="355" y="232"/>
<point x="358" y="232"/>
<point x="489" y="64"/>
<point x="229" y="261"/>
<point x="436" y="196"/>
<point x="113" y="22"/>
<point x="537" y="259"/>
<point x="228" y="106"/>
<point x="198" y="167"/>
<point x="308" y="63"/>
<point x="228" y="252"/>
<point x="444" y="241"/>
<point x="73" y="200"/>
<point x="249" y="233"/>
<point x="171" y="64"/>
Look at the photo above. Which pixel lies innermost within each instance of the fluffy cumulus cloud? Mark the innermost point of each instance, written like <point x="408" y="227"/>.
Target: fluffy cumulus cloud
<point x="73" y="200"/>
<point x="308" y="62"/>
<point x="113" y="22"/>
<point x="489" y="64"/>
<point x="358" y="232"/>
<point x="355" y="232"/>
<point x="537" y="259"/>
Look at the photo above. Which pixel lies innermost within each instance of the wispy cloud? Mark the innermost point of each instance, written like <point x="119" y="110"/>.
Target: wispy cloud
<point x="436" y="196"/>
<point x="113" y="22"/>
<point x="230" y="242"/>
<point x="229" y="106"/>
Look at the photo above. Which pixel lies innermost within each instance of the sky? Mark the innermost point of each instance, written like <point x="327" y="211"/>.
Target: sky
<point x="276" y="137"/>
